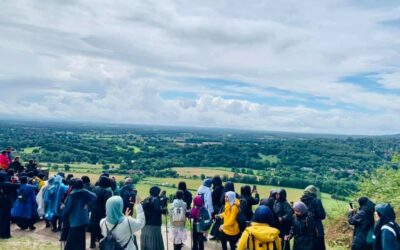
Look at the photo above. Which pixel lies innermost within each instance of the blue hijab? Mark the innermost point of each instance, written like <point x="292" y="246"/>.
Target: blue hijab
<point x="114" y="208"/>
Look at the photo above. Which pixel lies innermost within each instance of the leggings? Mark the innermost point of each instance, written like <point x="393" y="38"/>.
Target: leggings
<point x="232" y="239"/>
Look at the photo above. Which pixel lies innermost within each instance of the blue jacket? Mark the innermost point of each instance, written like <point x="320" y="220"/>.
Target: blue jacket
<point x="53" y="197"/>
<point x="76" y="207"/>
<point x="25" y="205"/>
<point x="389" y="237"/>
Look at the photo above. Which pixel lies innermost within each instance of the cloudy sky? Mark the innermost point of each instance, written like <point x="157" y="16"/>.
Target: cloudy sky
<point x="306" y="66"/>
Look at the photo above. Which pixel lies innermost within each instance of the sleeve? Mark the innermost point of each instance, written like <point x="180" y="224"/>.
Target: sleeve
<point x="230" y="217"/>
<point x="103" y="227"/>
<point x="67" y="207"/>
<point x="389" y="240"/>
<point x="288" y="213"/>
<point x="257" y="199"/>
<point x="138" y="222"/>
<point x="91" y="197"/>
<point x="320" y="211"/>
<point x="242" y="245"/>
<point x="355" y="219"/>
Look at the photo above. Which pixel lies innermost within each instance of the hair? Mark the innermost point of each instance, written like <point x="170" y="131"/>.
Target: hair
<point x="70" y="176"/>
<point x="78" y="184"/>
<point x="85" y="179"/>
<point x="182" y="186"/>
<point x="3" y="152"/>
<point x="41" y="176"/>
<point x="23" y="179"/>
<point x="179" y="194"/>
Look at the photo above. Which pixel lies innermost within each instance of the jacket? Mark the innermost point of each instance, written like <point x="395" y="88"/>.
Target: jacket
<point x="262" y="232"/>
<point x="4" y="162"/>
<point x="76" y="207"/>
<point x="250" y="202"/>
<point x="316" y="210"/>
<point x="363" y="221"/>
<point x="25" y="206"/>
<point x="98" y="208"/>
<point x="230" y="224"/>
<point x="53" y="196"/>
<point x="154" y="216"/>
<point x="283" y="210"/>
<point x="304" y="232"/>
<point x="216" y="198"/>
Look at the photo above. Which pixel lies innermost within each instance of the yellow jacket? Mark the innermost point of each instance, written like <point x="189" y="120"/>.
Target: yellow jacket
<point x="261" y="233"/>
<point x="230" y="225"/>
<point x="41" y="183"/>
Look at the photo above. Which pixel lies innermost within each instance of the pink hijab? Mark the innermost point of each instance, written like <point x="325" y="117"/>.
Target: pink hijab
<point x="198" y="204"/>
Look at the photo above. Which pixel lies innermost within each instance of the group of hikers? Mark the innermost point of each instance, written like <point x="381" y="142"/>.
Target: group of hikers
<point x="74" y="206"/>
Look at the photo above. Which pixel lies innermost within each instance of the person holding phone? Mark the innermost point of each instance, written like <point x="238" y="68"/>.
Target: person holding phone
<point x="363" y="222"/>
<point x="246" y="193"/>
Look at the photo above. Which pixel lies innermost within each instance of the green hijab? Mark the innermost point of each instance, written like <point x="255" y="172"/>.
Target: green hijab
<point x="114" y="208"/>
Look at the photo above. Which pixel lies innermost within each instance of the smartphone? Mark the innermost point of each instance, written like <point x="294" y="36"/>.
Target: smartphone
<point x="351" y="205"/>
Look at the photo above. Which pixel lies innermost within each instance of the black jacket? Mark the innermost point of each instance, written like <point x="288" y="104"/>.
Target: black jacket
<point x="153" y="208"/>
<point x="98" y="208"/>
<point x="250" y="202"/>
<point x="17" y="166"/>
<point x="216" y="195"/>
<point x="363" y="221"/>
<point x="187" y="198"/>
<point x="283" y="210"/>
<point x="316" y="211"/>
<point x="304" y="232"/>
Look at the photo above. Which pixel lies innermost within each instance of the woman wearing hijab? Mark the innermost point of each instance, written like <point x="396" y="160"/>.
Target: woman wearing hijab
<point x="284" y="214"/>
<point x="303" y="229"/>
<point x="363" y="222"/>
<point x="151" y="238"/>
<point x="124" y="226"/>
<point x="187" y="196"/>
<point x="387" y="231"/>
<point x="230" y="228"/>
<point x="77" y="212"/>
<point x="24" y="210"/>
<point x="205" y="192"/>
<point x="197" y="237"/>
<point x="317" y="212"/>
<point x="98" y="210"/>
<point x="6" y="188"/>
<point x="246" y="194"/>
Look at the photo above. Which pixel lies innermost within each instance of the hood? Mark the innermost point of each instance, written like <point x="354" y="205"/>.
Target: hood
<point x="198" y="201"/>
<point x="155" y="191"/>
<point x="216" y="181"/>
<point x="207" y="183"/>
<point x="282" y="195"/>
<point x="301" y="207"/>
<point x="229" y="187"/>
<point x="245" y="190"/>
<point x="368" y="207"/>
<point x="263" y="232"/>
<point x="178" y="203"/>
<point x="57" y="179"/>
<point x="104" y="182"/>
<point x="272" y="194"/>
<point x="182" y="186"/>
<point x="307" y="198"/>
<point x="386" y="211"/>
<point x="263" y="215"/>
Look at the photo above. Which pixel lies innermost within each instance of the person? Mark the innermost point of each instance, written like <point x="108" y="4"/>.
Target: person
<point x="86" y="183"/>
<point x="246" y="194"/>
<point x="205" y="192"/>
<point x="269" y="202"/>
<point x="4" y="161"/>
<point x="187" y="196"/>
<point x="217" y="192"/>
<point x="9" y="154"/>
<point x="260" y="230"/>
<point x="317" y="212"/>
<point x="363" y="222"/>
<point x="24" y="210"/>
<point x="197" y="237"/>
<point x="387" y="231"/>
<point x="6" y="188"/>
<point x="53" y="196"/>
<point x="283" y="212"/>
<point x="230" y="227"/>
<point x="76" y="210"/>
<point x="128" y="194"/>
<point x="123" y="227"/>
<point x="98" y="210"/>
<point x="151" y="237"/>
<point x="31" y="166"/>
<point x="302" y="229"/>
<point x="16" y="165"/>
<point x="178" y="220"/>
<point x="40" y="200"/>
<point x="40" y="180"/>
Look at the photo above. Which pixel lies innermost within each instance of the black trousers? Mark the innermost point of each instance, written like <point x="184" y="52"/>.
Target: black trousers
<point x="178" y="246"/>
<point x="197" y="238"/>
<point x="76" y="238"/>
<point x="5" y="222"/>
<point x="232" y="239"/>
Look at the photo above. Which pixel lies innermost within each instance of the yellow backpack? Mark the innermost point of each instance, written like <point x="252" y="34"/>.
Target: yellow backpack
<point x="255" y="244"/>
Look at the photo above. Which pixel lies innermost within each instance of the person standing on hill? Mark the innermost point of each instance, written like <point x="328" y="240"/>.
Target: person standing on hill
<point x="6" y="201"/>
<point x="195" y="215"/>
<point x="128" y="194"/>
<point x="178" y="221"/>
<point x="387" y="231"/>
<point x="205" y="192"/>
<point x="187" y="196"/>
<point x="246" y="194"/>
<point x="86" y="183"/>
<point x="98" y="210"/>
<point x="217" y="193"/>
<point x="16" y="165"/>
<point x="229" y="229"/>
<point x="151" y="237"/>
<point x="4" y="161"/>
<point x="283" y="212"/>
<point x="53" y="197"/>
<point x="317" y="212"/>
<point x="24" y="210"/>
<point x="76" y="209"/>
<point x="363" y="222"/>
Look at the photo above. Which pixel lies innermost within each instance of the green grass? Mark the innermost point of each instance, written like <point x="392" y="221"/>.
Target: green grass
<point x="82" y="167"/>
<point x="270" y="158"/>
<point x="135" y="149"/>
<point x="29" y="150"/>
<point x="23" y="243"/>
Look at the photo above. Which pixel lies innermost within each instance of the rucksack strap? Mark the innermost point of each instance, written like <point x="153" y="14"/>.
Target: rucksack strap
<point x="130" y="238"/>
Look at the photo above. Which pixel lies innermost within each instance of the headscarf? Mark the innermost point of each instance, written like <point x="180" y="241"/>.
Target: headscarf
<point x="386" y="215"/>
<point x="104" y="182"/>
<point x="311" y="189"/>
<point x="231" y="197"/>
<point x="155" y="191"/>
<point x="301" y="207"/>
<point x="114" y="206"/>
<point x="198" y="203"/>
<point x="263" y="215"/>
<point x="207" y="183"/>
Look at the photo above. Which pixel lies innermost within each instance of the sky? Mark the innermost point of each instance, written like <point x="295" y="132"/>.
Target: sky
<point x="301" y="66"/>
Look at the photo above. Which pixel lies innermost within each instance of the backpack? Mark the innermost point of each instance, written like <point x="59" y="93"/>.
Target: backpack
<point x="110" y="243"/>
<point x="205" y="222"/>
<point x="241" y="217"/>
<point x="258" y="244"/>
<point x="394" y="228"/>
<point x="178" y="217"/>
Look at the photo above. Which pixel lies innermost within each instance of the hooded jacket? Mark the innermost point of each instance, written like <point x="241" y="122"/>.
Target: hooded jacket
<point x="362" y="221"/>
<point x="316" y="210"/>
<point x="250" y="201"/>
<point x="177" y="204"/>
<point x="76" y="207"/>
<point x="230" y="224"/>
<point x="387" y="232"/>
<point x="205" y="192"/>
<point x="261" y="231"/>
<point x="283" y="210"/>
<point x="303" y="231"/>
<point x="153" y="217"/>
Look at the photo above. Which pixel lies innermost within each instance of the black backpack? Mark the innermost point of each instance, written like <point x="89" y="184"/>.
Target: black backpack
<point x="110" y="243"/>
<point x="241" y="217"/>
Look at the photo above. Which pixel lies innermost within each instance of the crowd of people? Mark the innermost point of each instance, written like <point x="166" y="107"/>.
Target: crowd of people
<point x="73" y="206"/>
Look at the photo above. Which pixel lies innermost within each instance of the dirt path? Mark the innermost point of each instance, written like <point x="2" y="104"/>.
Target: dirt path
<point x="43" y="238"/>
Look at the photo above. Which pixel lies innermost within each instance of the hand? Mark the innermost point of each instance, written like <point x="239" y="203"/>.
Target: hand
<point x="221" y="228"/>
<point x="351" y="210"/>
<point x="286" y="237"/>
<point x="138" y="200"/>
<point x="127" y="212"/>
